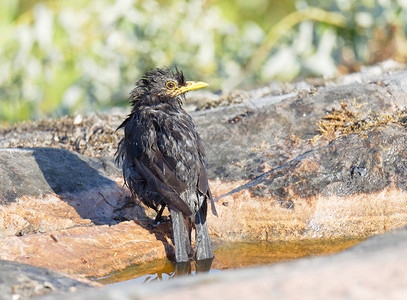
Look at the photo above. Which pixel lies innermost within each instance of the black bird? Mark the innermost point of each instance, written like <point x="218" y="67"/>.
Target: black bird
<point x="163" y="159"/>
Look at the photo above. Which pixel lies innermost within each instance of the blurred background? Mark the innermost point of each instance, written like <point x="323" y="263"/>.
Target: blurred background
<point x="76" y="56"/>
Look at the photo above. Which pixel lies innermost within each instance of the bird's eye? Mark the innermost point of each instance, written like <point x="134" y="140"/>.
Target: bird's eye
<point x="170" y="85"/>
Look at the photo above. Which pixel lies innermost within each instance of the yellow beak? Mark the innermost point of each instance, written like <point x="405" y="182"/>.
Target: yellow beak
<point x="190" y="85"/>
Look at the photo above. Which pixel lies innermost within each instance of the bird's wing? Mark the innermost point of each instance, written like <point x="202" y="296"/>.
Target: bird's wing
<point x="159" y="182"/>
<point x="165" y="167"/>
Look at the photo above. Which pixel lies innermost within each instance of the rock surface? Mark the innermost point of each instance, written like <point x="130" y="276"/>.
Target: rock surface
<point x="70" y="212"/>
<point x="352" y="187"/>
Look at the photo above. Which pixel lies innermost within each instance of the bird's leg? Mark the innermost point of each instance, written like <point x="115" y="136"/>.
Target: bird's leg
<point x="158" y="217"/>
<point x="182" y="241"/>
<point x="203" y="246"/>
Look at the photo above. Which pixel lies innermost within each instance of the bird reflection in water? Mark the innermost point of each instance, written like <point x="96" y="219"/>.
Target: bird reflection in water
<point x="201" y="266"/>
<point x="178" y="269"/>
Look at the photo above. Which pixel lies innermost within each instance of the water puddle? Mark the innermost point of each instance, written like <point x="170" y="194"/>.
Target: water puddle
<point x="232" y="255"/>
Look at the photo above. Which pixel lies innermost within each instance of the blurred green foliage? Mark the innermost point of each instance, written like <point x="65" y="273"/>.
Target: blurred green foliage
<point x="62" y="57"/>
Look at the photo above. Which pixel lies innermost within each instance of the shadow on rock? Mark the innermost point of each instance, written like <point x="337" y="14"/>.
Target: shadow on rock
<point x="84" y="183"/>
<point x="67" y="172"/>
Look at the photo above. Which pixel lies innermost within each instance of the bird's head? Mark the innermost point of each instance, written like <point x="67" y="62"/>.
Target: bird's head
<point x="163" y="85"/>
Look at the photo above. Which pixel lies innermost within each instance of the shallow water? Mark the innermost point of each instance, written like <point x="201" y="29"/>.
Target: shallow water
<point x="232" y="255"/>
